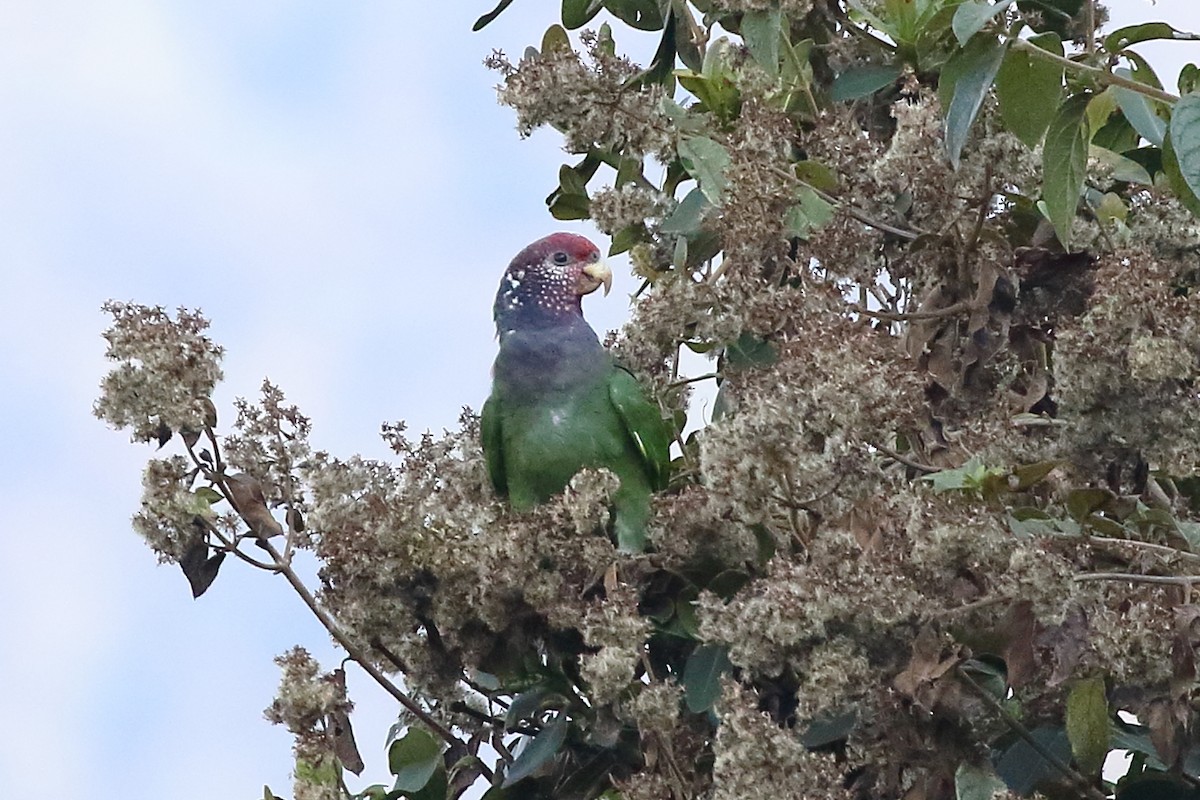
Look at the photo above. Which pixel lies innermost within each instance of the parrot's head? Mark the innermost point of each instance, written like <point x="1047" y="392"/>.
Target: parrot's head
<point x="545" y="282"/>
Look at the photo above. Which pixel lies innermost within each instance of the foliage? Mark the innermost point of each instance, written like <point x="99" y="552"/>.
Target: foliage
<point x="941" y="239"/>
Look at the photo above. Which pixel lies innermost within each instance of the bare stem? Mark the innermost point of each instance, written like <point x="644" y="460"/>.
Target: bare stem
<point x="848" y="209"/>
<point x="1162" y="549"/>
<point x="1186" y="581"/>
<point x="908" y="462"/>
<point x="1081" y="783"/>
<point x="352" y="649"/>
<point x="937" y="313"/>
<point x="1100" y="75"/>
<point x="972" y="606"/>
<point x="695" y="379"/>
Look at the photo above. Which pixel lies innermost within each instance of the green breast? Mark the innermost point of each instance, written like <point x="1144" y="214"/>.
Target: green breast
<point x="547" y="442"/>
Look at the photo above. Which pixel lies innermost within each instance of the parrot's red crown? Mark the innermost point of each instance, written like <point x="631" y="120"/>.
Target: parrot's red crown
<point x="576" y="247"/>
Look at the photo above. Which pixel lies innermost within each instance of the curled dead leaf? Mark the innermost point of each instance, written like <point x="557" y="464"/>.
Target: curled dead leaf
<point x="246" y="495"/>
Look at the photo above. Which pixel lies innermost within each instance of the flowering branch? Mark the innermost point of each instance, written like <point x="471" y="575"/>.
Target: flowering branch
<point x="355" y="652"/>
<point x="1100" y="75"/>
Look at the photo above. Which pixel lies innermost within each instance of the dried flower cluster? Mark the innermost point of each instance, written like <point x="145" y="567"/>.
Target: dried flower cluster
<point x="587" y="99"/>
<point x="165" y="374"/>
<point x="309" y="704"/>
<point x="941" y="444"/>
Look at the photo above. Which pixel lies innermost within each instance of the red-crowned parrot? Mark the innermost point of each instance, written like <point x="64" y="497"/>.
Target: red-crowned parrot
<point x="559" y="402"/>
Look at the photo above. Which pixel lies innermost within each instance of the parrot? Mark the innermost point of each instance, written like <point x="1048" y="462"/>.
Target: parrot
<point x="559" y="401"/>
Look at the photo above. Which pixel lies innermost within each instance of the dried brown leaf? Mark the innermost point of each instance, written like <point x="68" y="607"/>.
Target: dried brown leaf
<point x="1018" y="629"/>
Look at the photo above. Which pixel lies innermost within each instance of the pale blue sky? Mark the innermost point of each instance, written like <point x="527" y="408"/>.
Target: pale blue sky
<point x="336" y="187"/>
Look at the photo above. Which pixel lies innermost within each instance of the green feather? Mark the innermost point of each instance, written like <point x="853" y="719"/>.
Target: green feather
<point x="534" y="447"/>
<point x="493" y="451"/>
<point x="643" y="420"/>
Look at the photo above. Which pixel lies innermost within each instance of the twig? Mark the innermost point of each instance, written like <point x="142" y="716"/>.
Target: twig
<point x="1131" y="577"/>
<point x="1101" y="75"/>
<point x="1082" y="783"/>
<point x="1089" y="22"/>
<point x="353" y="650"/>
<point x="973" y="606"/>
<point x="284" y="568"/>
<point x="696" y="379"/>
<point x="908" y="462"/>
<point x="937" y="313"/>
<point x="463" y="708"/>
<point x="1164" y="550"/>
<point x="847" y="209"/>
<point x="227" y="544"/>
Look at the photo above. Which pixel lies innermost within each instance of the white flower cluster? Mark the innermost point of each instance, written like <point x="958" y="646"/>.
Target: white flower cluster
<point x="165" y="374"/>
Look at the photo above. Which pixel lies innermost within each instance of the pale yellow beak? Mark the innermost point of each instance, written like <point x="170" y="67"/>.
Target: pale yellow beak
<point x="601" y="274"/>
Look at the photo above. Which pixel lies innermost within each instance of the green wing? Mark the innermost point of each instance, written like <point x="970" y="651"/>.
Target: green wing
<point x="644" y="423"/>
<point x="493" y="447"/>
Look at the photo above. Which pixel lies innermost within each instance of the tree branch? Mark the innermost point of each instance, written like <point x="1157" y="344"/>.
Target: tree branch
<point x="1081" y="783"/>
<point x="1100" y="75"/>
<point x="908" y="462"/>
<point x="937" y="313"/>
<point x="1186" y="581"/>
<point x="353" y="650"/>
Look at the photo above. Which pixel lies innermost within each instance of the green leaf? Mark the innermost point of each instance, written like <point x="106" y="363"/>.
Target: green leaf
<point x="1064" y="165"/>
<point x="1029" y="474"/>
<point x="1189" y="79"/>
<point x="1088" y="724"/>
<point x="1175" y="179"/>
<point x="687" y="35"/>
<point x="1128" y="736"/>
<point x="860" y="11"/>
<point x="1050" y="15"/>
<point x="626" y="238"/>
<point x="970" y="17"/>
<point x="750" y="351"/>
<point x="487" y="18"/>
<point x="761" y="30"/>
<point x="1138" y="110"/>
<point x="325" y="771"/>
<point x="209" y="495"/>
<point x="828" y="729"/>
<point x="1030" y="89"/>
<point x="1123" y="169"/>
<point x="1185" y="140"/>
<point x="688" y="215"/>
<point x="530" y="704"/>
<point x="577" y="13"/>
<point x="541" y="749"/>
<point x="963" y="84"/>
<point x="810" y="214"/>
<point x="1024" y="769"/>
<point x="434" y="789"/>
<point x="413" y="759"/>
<point x="570" y="206"/>
<point x="975" y="783"/>
<point x="702" y="676"/>
<point x="816" y="175"/>
<point x="645" y="15"/>
<point x="1082" y="502"/>
<point x="859" y="82"/>
<point x="971" y="476"/>
<point x="716" y="92"/>
<point x="555" y="38"/>
<point x="1132" y="34"/>
<point x="706" y="161"/>
<point x="571" y="181"/>
<point x="629" y="170"/>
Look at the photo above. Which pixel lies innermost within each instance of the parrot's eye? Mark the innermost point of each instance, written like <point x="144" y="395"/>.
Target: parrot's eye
<point x="561" y="258"/>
